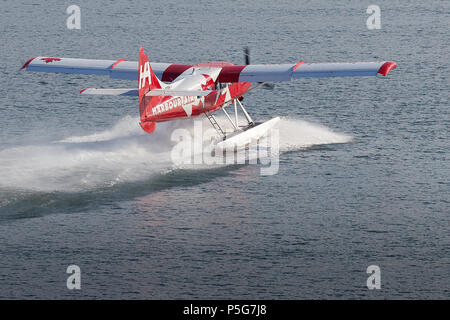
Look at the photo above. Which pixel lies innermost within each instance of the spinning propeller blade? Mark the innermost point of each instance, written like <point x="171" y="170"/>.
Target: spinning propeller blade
<point x="247" y="55"/>
<point x="247" y="62"/>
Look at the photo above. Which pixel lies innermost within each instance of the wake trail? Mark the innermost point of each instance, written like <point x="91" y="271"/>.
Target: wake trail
<point x="123" y="153"/>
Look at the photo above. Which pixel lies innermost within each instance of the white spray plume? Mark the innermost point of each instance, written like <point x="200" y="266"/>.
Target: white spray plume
<point x="123" y="153"/>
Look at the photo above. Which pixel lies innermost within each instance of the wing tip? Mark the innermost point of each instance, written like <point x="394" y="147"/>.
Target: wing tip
<point x="298" y="65"/>
<point x="117" y="62"/>
<point x="25" y="65"/>
<point x="387" y="67"/>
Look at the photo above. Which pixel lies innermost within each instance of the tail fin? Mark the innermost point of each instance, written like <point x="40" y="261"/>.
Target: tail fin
<point x="147" y="82"/>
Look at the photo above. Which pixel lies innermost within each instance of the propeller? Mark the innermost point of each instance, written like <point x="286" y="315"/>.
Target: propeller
<point x="247" y="55"/>
<point x="247" y="62"/>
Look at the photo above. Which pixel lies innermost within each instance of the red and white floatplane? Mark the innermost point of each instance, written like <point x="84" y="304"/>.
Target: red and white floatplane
<point x="177" y="91"/>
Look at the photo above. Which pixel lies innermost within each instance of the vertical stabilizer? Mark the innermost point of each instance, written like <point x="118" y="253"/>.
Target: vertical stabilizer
<point x="147" y="82"/>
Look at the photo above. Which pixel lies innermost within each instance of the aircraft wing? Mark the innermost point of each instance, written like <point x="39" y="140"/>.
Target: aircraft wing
<point x="270" y="73"/>
<point x="128" y="70"/>
<point x="117" y="69"/>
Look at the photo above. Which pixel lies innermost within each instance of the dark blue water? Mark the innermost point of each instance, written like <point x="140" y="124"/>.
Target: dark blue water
<point x="364" y="175"/>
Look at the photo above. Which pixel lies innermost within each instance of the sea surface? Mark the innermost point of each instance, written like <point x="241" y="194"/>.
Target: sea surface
<point x="364" y="163"/>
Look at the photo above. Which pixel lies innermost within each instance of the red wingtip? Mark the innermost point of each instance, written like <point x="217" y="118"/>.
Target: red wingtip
<point x="298" y="65"/>
<point x="117" y="62"/>
<point x="387" y="67"/>
<point x="27" y="63"/>
<point x="82" y="90"/>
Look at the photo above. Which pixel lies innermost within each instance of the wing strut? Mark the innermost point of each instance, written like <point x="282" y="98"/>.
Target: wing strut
<point x="229" y="118"/>
<point x="235" y="123"/>
<point x="247" y="116"/>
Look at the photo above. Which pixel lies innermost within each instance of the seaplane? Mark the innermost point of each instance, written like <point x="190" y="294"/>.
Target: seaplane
<point x="169" y="91"/>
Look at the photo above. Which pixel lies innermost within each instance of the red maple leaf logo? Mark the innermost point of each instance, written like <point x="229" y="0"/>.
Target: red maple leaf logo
<point x="209" y="83"/>
<point x="47" y="60"/>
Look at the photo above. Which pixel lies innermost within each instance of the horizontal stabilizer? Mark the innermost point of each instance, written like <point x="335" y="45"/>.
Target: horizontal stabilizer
<point x="177" y="93"/>
<point x="111" y="92"/>
<point x="152" y="93"/>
